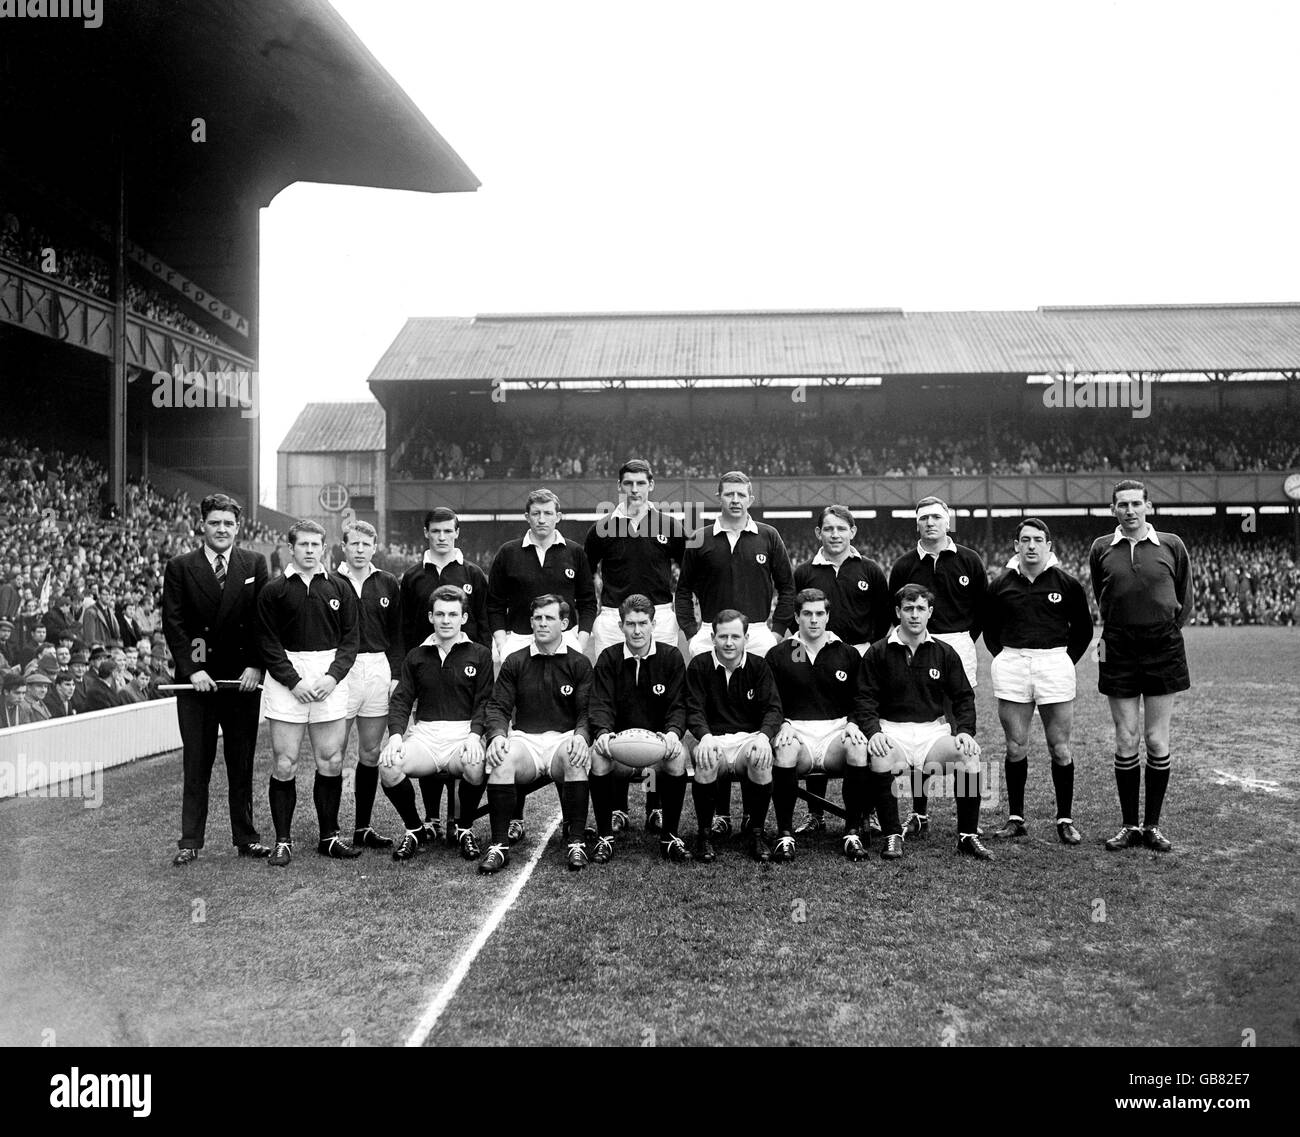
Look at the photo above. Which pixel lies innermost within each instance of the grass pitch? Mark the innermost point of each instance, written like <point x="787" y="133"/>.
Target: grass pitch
<point x="102" y="942"/>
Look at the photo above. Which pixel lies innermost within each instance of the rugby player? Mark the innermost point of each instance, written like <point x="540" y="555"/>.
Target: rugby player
<point x="537" y="728"/>
<point x="816" y="675"/>
<point x="1142" y="580"/>
<point x="638" y="683"/>
<point x="634" y="548"/>
<point x="737" y="565"/>
<point x="308" y="640"/>
<point x="443" y="564"/>
<point x="904" y="684"/>
<point x="1037" y="625"/>
<point x="957" y="581"/>
<point x="374" y="674"/>
<point x="447" y="680"/>
<point x="733" y="715"/>
<point x="861" y="611"/>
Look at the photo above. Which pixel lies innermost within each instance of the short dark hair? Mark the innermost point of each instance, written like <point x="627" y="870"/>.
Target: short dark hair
<point x="636" y="603"/>
<point x="362" y="527"/>
<point x="538" y="497"/>
<point x="932" y="500"/>
<point x="1034" y="523"/>
<point x="550" y="598"/>
<point x="636" y="466"/>
<point x="1128" y="484"/>
<point x="220" y="501"/>
<point x="841" y="511"/>
<point x="727" y="615"/>
<point x="448" y="593"/>
<point x="810" y="596"/>
<point x="306" y="525"/>
<point x="734" y="476"/>
<point x="441" y="513"/>
<point x="913" y="592"/>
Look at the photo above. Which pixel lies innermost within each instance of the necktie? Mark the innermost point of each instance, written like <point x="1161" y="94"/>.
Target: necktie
<point x="220" y="568"/>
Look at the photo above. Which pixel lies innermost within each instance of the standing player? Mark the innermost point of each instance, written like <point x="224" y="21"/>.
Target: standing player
<point x="374" y="674"/>
<point x="638" y="684"/>
<point x="309" y="639"/>
<point x="443" y="564"/>
<point x="537" y="728"/>
<point x="1142" y="580"/>
<point x="733" y="713"/>
<point x="541" y="562"/>
<point x="738" y="565"/>
<point x="1037" y="625"/>
<point x="858" y="596"/>
<point x="816" y="676"/>
<point x="905" y="683"/>
<point x="447" y="680"/>
<point x="957" y="581"/>
<point x="634" y="549"/>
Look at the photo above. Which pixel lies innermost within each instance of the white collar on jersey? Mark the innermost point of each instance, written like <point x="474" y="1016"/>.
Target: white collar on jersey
<point x="751" y="526"/>
<point x="346" y="570"/>
<point x="294" y="570"/>
<point x="895" y="638"/>
<point x="432" y="641"/>
<point x="1014" y="563"/>
<point x="629" y="654"/>
<point x="456" y="555"/>
<point x="820" y="557"/>
<point x="1151" y="535"/>
<point x="533" y="649"/>
<point x="528" y="540"/>
<point x="950" y="547"/>
<point x="718" y="663"/>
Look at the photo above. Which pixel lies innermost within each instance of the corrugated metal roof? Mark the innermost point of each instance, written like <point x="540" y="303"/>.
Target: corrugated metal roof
<point x="331" y="427"/>
<point x="707" y="345"/>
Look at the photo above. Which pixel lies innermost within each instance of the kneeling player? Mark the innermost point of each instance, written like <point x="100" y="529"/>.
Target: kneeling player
<point x="448" y="679"/>
<point x="308" y="638"/>
<point x="374" y="674"/>
<point x="638" y="684"/>
<point x="733" y="710"/>
<point x="900" y="708"/>
<point x="1037" y="625"/>
<point x="816" y="676"/>
<point x="537" y="728"/>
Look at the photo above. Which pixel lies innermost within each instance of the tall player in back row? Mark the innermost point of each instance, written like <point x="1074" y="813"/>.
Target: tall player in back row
<point x="957" y="581"/>
<point x="861" y="611"/>
<point x="634" y="548"/>
<point x="1143" y="583"/>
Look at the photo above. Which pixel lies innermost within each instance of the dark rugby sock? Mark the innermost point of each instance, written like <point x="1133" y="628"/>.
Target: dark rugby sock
<point x="619" y="797"/>
<point x="603" y="793"/>
<point x="815" y="784"/>
<point x="1017" y="774"/>
<point x="402" y="796"/>
<point x="470" y="796"/>
<point x="431" y="792"/>
<point x="284" y="797"/>
<point x="1157" y="784"/>
<point x="327" y="793"/>
<point x="654" y="799"/>
<point x="968" y="801"/>
<point x="856" y="791"/>
<point x="672" y="788"/>
<point x="366" y="783"/>
<point x="785" y="792"/>
<point x="881" y="794"/>
<point x="1128" y="781"/>
<point x="1063" y="784"/>
<point x="760" y="797"/>
<point x="575" y="797"/>
<point x="501" y="808"/>
<point x="703" y="796"/>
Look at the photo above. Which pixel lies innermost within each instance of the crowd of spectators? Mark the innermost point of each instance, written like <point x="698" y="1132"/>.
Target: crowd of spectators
<point x="790" y="445"/>
<point x="25" y="243"/>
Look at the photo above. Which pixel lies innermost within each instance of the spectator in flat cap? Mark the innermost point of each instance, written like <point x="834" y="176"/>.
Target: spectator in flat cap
<point x="38" y="686"/>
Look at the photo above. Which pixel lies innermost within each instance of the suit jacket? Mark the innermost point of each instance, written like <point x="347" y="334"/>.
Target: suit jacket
<point x="96" y="626"/>
<point x="57" y="624"/>
<point x="209" y="628"/>
<point x="21" y="715"/>
<point x="56" y="707"/>
<point x="99" y="695"/>
<point x="40" y="712"/>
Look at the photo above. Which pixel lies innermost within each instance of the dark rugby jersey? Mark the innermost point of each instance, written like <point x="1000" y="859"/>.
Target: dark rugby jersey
<point x="517" y="576"/>
<point x="1141" y="584"/>
<point x="651" y="696"/>
<point x="379" y="615"/>
<point x="636" y="559"/>
<point x="418" y="584"/>
<point x="904" y="686"/>
<point x="540" y="692"/>
<point x="1050" y="611"/>
<point x="861" y="604"/>
<point x="317" y="616"/>
<point x="747" y="703"/>
<point x="958" y="606"/>
<point x="454" y="689"/>
<point x="815" y="687"/>
<point x="743" y="578"/>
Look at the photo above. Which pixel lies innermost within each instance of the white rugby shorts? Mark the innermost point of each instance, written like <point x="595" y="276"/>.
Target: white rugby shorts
<point x="761" y="640"/>
<point x="966" y="649"/>
<point x="1040" y="675"/>
<point x="606" y="631"/>
<point x="431" y="747"/>
<point x="730" y="745"/>
<point x="368" y="685"/>
<point x="540" y="748"/>
<point x="278" y="701"/>
<point x="913" y="741"/>
<point x="817" y="735"/>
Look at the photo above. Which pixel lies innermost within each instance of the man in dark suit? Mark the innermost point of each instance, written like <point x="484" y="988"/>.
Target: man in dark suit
<point x="59" y="700"/>
<point x="15" y="711"/>
<point x="210" y="621"/>
<point x="99" y="622"/>
<point x="98" y="689"/>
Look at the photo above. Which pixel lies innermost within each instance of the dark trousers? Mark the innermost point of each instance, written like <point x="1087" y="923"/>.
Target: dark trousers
<point x="199" y="716"/>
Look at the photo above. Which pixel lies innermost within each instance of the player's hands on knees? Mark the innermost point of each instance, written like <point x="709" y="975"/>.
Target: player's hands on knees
<point x="576" y="752"/>
<point x="878" y="745"/>
<point x="706" y="753"/>
<point x="496" y="752"/>
<point x="472" y="753"/>
<point x="785" y="737"/>
<point x="391" y="754"/>
<point x="967" y="747"/>
<point x="203" y="682"/>
<point x="325" y="686"/>
<point x="601" y="745"/>
<point x="249" y="679"/>
<point x="853" y="735"/>
<point x="672" y="745"/>
<point x="305" y="691"/>
<point x="760" y="754"/>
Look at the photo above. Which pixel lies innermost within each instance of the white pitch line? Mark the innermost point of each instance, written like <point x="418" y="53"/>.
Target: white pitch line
<point x="434" y="1011"/>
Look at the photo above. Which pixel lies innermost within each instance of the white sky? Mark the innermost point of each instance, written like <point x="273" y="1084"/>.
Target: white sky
<point x="759" y="155"/>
